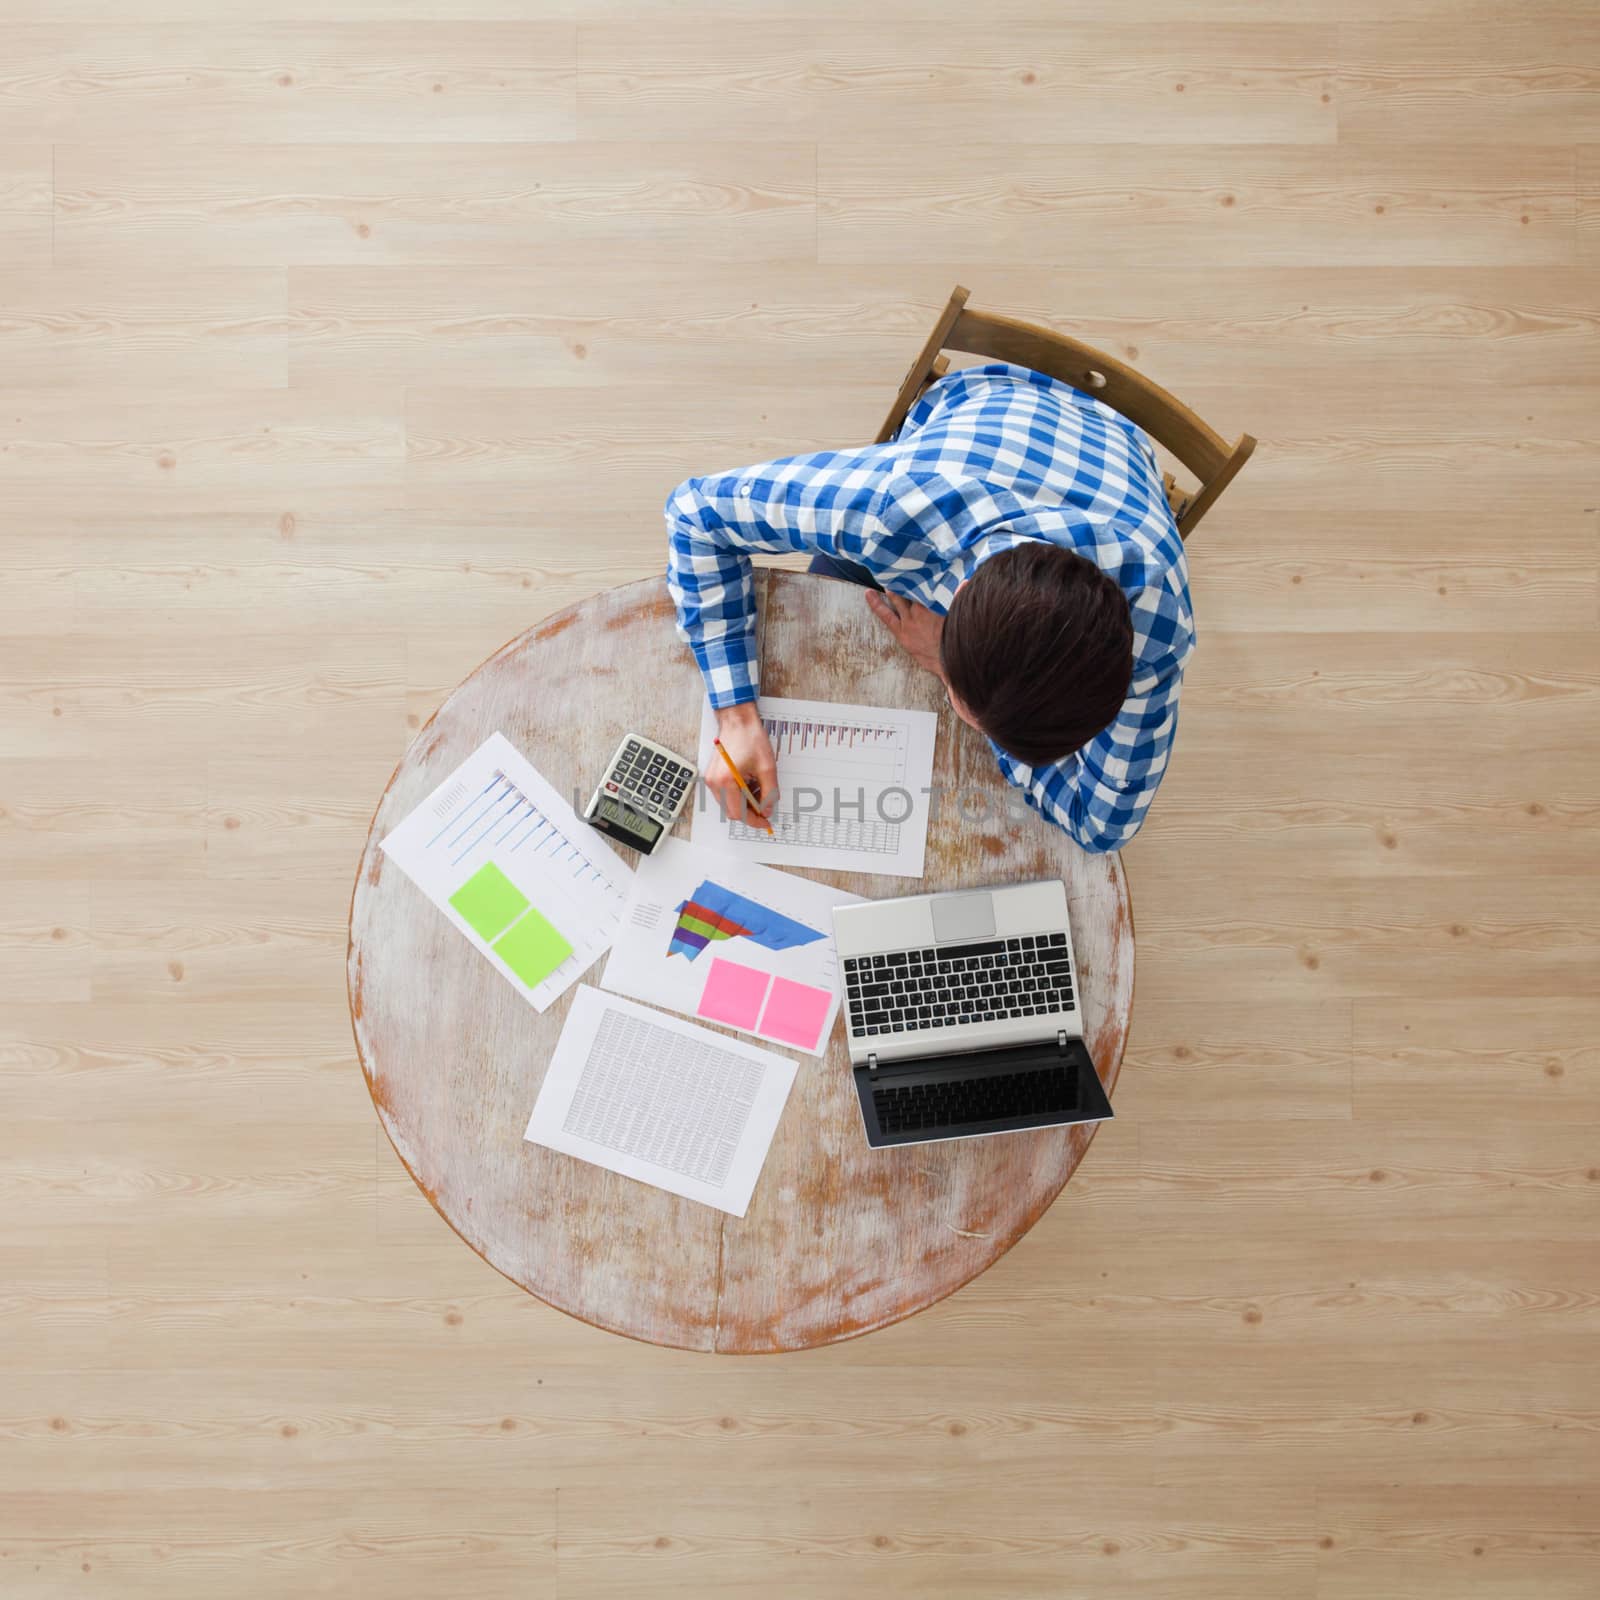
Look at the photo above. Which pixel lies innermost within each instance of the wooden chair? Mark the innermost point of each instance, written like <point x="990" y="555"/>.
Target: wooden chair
<point x="1167" y="420"/>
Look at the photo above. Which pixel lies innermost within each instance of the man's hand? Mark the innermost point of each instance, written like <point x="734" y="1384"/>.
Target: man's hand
<point x="916" y="629"/>
<point x="744" y="737"/>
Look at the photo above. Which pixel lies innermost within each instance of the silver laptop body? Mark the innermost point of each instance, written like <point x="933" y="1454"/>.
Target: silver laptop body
<point x="962" y="1015"/>
<point x="950" y="922"/>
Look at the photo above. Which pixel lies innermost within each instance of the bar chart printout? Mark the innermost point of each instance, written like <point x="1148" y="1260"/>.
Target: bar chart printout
<point x="507" y="860"/>
<point x="854" y="787"/>
<point x="731" y="942"/>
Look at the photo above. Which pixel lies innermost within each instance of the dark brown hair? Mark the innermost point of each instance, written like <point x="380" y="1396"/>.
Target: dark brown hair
<point x="1038" y="644"/>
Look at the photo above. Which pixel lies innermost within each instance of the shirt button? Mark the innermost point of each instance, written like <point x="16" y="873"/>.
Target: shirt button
<point x="744" y="491"/>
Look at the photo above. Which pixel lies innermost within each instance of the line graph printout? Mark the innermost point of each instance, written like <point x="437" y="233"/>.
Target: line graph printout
<point x="507" y="860"/>
<point x="853" y="787"/>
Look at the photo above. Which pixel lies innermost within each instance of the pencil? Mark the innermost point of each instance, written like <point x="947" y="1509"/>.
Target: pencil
<point x="744" y="788"/>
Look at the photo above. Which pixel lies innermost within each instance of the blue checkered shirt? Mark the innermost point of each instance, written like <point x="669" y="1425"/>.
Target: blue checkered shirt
<point x="989" y="457"/>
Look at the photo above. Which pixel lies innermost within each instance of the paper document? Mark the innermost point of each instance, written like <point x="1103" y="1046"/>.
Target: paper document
<point x="660" y="1100"/>
<point x="853" y="786"/>
<point x="725" y="940"/>
<point x="514" y="867"/>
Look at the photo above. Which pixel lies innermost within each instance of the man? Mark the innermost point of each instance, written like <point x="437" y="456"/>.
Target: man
<point x="1015" y="541"/>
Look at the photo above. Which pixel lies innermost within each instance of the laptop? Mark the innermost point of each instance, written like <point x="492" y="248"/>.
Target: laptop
<point x="963" y="1016"/>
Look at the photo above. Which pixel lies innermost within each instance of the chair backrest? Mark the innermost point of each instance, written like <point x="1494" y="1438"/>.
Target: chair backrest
<point x="1203" y="451"/>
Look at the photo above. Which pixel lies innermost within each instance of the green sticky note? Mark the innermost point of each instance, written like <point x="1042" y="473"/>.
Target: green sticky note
<point x="489" y="901"/>
<point x="532" y="949"/>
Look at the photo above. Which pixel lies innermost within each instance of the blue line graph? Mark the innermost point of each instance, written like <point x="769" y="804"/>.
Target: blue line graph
<point x="501" y="805"/>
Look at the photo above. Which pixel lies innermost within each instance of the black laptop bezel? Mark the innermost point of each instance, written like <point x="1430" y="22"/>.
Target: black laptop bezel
<point x="1094" y="1104"/>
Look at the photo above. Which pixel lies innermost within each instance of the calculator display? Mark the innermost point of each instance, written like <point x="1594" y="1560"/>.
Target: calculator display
<point x="629" y="820"/>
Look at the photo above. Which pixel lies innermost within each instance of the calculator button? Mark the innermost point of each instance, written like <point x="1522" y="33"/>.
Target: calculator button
<point x="613" y="788"/>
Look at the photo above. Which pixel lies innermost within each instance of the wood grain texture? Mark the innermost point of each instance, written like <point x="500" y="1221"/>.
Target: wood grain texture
<point x="298" y="82"/>
<point x="839" y="1239"/>
<point x="242" y="1355"/>
<point x="872" y="81"/>
<point x="1274" y="205"/>
<point x="249" y="204"/>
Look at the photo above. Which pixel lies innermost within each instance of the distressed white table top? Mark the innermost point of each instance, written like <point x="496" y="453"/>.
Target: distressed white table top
<point x="839" y="1239"/>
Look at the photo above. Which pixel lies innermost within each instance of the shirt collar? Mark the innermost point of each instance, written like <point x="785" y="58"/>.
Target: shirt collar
<point x="1047" y="524"/>
<point x="969" y="557"/>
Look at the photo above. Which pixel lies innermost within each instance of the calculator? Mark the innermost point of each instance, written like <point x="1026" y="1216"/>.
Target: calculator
<point x="641" y="794"/>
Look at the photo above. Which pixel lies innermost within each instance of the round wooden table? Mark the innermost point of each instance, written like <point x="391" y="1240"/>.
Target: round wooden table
<point x="839" y="1239"/>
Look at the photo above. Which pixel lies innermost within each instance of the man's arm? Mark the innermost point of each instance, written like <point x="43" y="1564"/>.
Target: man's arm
<point x="1101" y="794"/>
<point x="827" y="502"/>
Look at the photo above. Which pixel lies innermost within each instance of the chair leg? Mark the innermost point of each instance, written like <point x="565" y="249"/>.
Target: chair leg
<point x="916" y="378"/>
<point x="1177" y="499"/>
<point x="1194" y="509"/>
<point x="935" y="373"/>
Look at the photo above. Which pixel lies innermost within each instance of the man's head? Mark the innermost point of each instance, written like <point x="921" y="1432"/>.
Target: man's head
<point x="1037" y="651"/>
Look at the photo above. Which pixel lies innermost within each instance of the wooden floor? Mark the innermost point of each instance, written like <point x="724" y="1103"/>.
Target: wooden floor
<point x="334" y="352"/>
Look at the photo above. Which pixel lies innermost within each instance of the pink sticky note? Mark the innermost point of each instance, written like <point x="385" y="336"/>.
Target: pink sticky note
<point x="795" y="1013"/>
<point x="733" y="994"/>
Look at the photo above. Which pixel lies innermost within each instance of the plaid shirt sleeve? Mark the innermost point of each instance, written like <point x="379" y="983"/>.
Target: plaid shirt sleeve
<point x="830" y="502"/>
<point x="1100" y="794"/>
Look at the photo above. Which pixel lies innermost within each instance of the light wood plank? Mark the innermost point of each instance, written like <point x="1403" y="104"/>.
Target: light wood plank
<point x="130" y="1060"/>
<point x="107" y="328"/>
<point x="195" y="1535"/>
<point x="1534" y="1061"/>
<point x="304" y="81"/>
<point x="544" y="323"/>
<point x="1201" y="1061"/>
<point x="1192" y="83"/>
<point x="25" y="238"/>
<point x="248" y="204"/>
<point x="1007" y="13"/>
<point x="1501" y="1537"/>
<point x="1275" y="206"/>
<point x="25" y="175"/>
<point x="1588" y="180"/>
<point x="535" y="454"/>
<point x="109" y="455"/>
<point x="1526" y="82"/>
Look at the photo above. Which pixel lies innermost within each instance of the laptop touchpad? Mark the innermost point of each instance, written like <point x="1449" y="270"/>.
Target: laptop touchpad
<point x="963" y="916"/>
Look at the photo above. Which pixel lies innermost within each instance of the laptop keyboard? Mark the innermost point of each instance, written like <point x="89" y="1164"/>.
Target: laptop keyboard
<point x="943" y="987"/>
<point x="912" y="1108"/>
